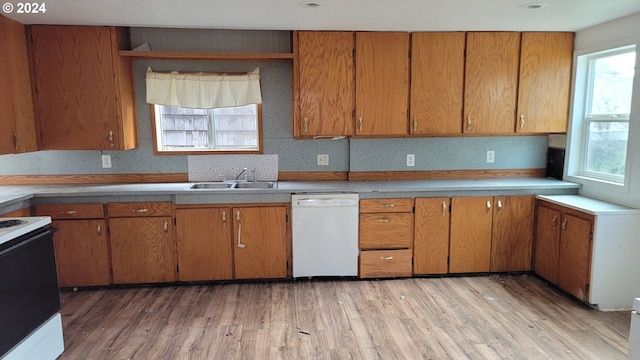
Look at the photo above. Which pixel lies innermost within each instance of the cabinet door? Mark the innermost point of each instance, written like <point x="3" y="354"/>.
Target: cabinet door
<point x="82" y="253"/>
<point x="326" y="98"/>
<point x="491" y="80"/>
<point x="547" y="243"/>
<point x="437" y="73"/>
<point x="382" y="83"/>
<point x="431" y="236"/>
<point x="75" y="88"/>
<point x="203" y="239"/>
<point x="574" y="257"/>
<point x="17" y="122"/>
<point x="545" y="82"/>
<point x="470" y="245"/>
<point x="260" y="242"/>
<point x="142" y="250"/>
<point x="512" y="233"/>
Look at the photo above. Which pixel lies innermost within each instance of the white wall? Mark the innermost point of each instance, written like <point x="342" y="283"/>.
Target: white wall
<point x="617" y="33"/>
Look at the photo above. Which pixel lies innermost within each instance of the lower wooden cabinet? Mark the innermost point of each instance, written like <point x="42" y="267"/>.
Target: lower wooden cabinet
<point x="80" y="244"/>
<point x="431" y="236"/>
<point x="142" y="243"/>
<point x="386" y="238"/>
<point x="512" y="236"/>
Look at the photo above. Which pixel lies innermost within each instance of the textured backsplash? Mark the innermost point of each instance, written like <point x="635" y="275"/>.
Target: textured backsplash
<point x="219" y="167"/>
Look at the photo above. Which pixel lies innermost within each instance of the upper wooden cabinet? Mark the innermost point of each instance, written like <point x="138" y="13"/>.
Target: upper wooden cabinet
<point x="491" y="82"/>
<point x="17" y="121"/>
<point x="325" y="103"/>
<point x="382" y="83"/>
<point x="83" y="88"/>
<point x="545" y="82"/>
<point x="437" y="81"/>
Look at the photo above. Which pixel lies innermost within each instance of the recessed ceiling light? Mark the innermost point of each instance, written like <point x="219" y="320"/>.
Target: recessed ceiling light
<point x="310" y="4"/>
<point x="533" y="6"/>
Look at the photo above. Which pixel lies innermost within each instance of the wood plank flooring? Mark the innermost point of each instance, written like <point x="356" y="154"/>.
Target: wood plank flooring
<point x="479" y="317"/>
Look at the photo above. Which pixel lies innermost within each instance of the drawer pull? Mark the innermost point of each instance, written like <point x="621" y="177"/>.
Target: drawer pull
<point x="415" y="124"/>
<point x="224" y="216"/>
<point x="564" y="224"/>
<point x="488" y="205"/>
<point x="70" y="212"/>
<point x="386" y="205"/>
<point x="386" y="257"/>
<point x="469" y="123"/>
<point x="553" y="221"/>
<point x="360" y="121"/>
<point x="384" y="220"/>
<point x="444" y="207"/>
<point x="166" y="226"/>
<point x="522" y="119"/>
<point x="144" y="210"/>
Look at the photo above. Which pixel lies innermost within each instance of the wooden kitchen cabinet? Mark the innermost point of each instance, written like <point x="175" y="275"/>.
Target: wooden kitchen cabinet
<point x="382" y="83"/>
<point x="260" y="242"/>
<point x="80" y="244"/>
<point x="142" y="242"/>
<point x="470" y="238"/>
<point x="491" y="82"/>
<point x="546" y="60"/>
<point x="546" y="248"/>
<point x="325" y="76"/>
<point x="83" y="89"/>
<point x="431" y="236"/>
<point x="386" y="238"/>
<point x="203" y="240"/>
<point x="437" y="82"/>
<point x="512" y="234"/>
<point x="17" y="123"/>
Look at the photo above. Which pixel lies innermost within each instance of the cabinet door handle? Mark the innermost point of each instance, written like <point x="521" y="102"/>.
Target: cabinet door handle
<point x="143" y="210"/>
<point x="360" y="121"/>
<point x="415" y="124"/>
<point x="240" y="245"/>
<point x="99" y="229"/>
<point x="444" y="207"/>
<point x="521" y="121"/>
<point x="70" y="212"/>
<point x="224" y="216"/>
<point x="111" y="144"/>
<point x="388" y="205"/>
<point x="386" y="257"/>
<point x="166" y="226"/>
<point x="384" y="220"/>
<point x="469" y="123"/>
<point x="488" y="205"/>
<point x="499" y="204"/>
<point x="306" y="125"/>
<point x="553" y="221"/>
<point x="564" y="224"/>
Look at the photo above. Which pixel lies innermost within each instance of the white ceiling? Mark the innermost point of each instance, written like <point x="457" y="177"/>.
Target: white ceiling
<point x="400" y="15"/>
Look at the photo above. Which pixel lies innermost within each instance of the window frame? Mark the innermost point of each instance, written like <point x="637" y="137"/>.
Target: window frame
<point x="209" y="151"/>
<point x="576" y="167"/>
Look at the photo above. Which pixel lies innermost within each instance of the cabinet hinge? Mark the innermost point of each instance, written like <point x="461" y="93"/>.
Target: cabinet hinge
<point x="286" y="218"/>
<point x="586" y="288"/>
<point x="591" y="235"/>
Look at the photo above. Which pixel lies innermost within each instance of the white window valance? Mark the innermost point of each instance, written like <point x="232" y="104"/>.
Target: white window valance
<point x="203" y="90"/>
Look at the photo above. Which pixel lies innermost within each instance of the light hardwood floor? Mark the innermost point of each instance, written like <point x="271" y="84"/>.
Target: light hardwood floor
<point x="479" y="317"/>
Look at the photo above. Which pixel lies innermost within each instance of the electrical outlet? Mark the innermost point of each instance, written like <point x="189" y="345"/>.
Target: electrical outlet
<point x="106" y="161"/>
<point x="491" y="156"/>
<point x="411" y="159"/>
<point x="323" y="159"/>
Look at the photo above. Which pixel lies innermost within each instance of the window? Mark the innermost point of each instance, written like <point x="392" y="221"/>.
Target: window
<point x="607" y="106"/>
<point x="228" y="129"/>
<point x="205" y="112"/>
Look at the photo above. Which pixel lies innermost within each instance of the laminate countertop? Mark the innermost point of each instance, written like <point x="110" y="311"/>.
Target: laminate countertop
<point x="179" y="193"/>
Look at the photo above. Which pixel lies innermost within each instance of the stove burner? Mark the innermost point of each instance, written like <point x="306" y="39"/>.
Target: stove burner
<point x="10" y="223"/>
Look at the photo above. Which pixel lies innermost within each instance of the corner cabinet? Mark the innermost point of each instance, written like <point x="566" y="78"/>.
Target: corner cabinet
<point x="382" y="83"/>
<point x="546" y="60"/>
<point x="17" y="124"/>
<point x="325" y="85"/>
<point x="142" y="242"/>
<point x="588" y="248"/>
<point x="83" y="89"/>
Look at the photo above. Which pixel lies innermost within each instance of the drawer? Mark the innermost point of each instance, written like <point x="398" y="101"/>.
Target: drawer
<point x="386" y="231"/>
<point x="71" y="211"/>
<point x="385" y="263"/>
<point x="139" y="209"/>
<point x="386" y="205"/>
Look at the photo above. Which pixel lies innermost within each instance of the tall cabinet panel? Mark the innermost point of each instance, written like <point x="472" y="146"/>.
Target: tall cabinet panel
<point x="470" y="241"/>
<point x="491" y="82"/>
<point x="382" y="83"/>
<point x="84" y="89"/>
<point x="431" y="236"/>
<point x="326" y="84"/>
<point x="17" y="121"/>
<point x="545" y="82"/>
<point x="437" y="81"/>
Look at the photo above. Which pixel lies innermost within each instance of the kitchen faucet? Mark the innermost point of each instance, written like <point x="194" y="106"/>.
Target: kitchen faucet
<point x="239" y="174"/>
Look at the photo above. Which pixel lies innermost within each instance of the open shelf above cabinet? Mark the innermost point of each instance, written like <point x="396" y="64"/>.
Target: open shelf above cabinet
<point x="168" y="55"/>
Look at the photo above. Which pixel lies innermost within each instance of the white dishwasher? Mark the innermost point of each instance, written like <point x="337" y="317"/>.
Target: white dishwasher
<point x="324" y="235"/>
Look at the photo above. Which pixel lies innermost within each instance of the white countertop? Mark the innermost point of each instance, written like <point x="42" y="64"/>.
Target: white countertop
<point x="588" y="205"/>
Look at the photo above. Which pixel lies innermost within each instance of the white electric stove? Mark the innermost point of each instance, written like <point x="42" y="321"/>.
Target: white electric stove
<point x="11" y="228"/>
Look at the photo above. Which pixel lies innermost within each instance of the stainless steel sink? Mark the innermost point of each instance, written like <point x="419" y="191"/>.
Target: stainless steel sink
<point x="210" y="186"/>
<point x="256" y="185"/>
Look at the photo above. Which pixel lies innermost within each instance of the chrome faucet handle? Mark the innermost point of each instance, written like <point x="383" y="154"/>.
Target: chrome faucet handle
<point x="239" y="174"/>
